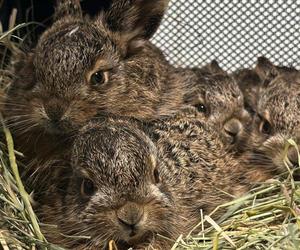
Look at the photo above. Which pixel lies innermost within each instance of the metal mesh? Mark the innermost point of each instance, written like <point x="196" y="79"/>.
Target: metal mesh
<point x="235" y="32"/>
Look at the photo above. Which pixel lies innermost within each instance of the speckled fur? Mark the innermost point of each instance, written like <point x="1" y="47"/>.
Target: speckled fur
<point x="224" y="103"/>
<point x="197" y="153"/>
<point x="51" y="80"/>
<point x="279" y="105"/>
<point x="116" y="155"/>
<point x="249" y="82"/>
<point x="193" y="167"/>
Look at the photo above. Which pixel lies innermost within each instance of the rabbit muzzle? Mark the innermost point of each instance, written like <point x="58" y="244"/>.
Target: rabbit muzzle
<point x="130" y="218"/>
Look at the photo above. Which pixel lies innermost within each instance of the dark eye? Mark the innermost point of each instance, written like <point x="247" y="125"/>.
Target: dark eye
<point x="265" y="127"/>
<point x="201" y="107"/>
<point x="87" y="187"/>
<point x="156" y="176"/>
<point x="98" y="78"/>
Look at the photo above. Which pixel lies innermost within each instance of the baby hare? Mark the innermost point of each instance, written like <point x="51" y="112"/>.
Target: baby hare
<point x="277" y="118"/>
<point x="84" y="66"/>
<point x="217" y="96"/>
<point x="115" y="192"/>
<point x="250" y="81"/>
<point x="131" y="189"/>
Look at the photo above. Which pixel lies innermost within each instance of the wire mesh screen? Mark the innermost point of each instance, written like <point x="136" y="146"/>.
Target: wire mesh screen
<point x="234" y="32"/>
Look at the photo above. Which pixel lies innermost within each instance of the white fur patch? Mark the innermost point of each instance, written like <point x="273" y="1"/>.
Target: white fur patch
<point x="73" y="31"/>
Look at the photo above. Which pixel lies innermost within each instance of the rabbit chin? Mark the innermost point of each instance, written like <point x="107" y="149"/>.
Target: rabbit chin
<point x="64" y="127"/>
<point x="134" y="237"/>
<point x="125" y="242"/>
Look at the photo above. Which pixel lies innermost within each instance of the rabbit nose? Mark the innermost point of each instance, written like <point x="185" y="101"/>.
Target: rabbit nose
<point x="233" y="127"/>
<point x="130" y="215"/>
<point x="292" y="155"/>
<point x="54" y="111"/>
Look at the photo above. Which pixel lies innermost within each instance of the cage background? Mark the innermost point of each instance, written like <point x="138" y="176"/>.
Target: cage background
<point x="235" y="33"/>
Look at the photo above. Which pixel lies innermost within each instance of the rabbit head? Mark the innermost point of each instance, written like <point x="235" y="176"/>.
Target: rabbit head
<point x="267" y="71"/>
<point x="115" y="192"/>
<point x="277" y="118"/>
<point x="80" y="65"/>
<point x="128" y="188"/>
<point x="250" y="81"/>
<point x="84" y="66"/>
<point x="218" y="98"/>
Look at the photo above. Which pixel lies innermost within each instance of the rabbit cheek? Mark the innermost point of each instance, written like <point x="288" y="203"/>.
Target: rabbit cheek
<point x="80" y="112"/>
<point x="162" y="216"/>
<point x="38" y="113"/>
<point x="29" y="108"/>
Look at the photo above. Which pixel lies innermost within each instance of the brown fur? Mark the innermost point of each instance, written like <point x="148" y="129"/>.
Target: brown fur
<point x="251" y="81"/>
<point x="219" y="93"/>
<point x="211" y="68"/>
<point x="193" y="166"/>
<point x="51" y="96"/>
<point x="120" y="160"/>
<point x="277" y="118"/>
<point x="196" y="152"/>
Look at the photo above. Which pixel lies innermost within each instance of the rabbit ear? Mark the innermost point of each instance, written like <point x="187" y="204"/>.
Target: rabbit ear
<point x="215" y="68"/>
<point x="265" y="69"/>
<point x="67" y="8"/>
<point x="135" y="18"/>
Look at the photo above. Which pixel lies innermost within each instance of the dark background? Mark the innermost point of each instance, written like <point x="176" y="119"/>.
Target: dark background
<point x="42" y="10"/>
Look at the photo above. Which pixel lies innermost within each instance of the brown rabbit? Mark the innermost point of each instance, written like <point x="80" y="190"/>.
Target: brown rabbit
<point x="217" y="96"/>
<point x="277" y="118"/>
<point x="114" y="193"/>
<point x="250" y="81"/>
<point x="84" y="66"/>
<point x="127" y="188"/>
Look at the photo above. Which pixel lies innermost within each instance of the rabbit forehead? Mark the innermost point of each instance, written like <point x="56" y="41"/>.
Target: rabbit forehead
<point x="123" y="174"/>
<point x="82" y="35"/>
<point x="282" y="91"/>
<point x="65" y="54"/>
<point x="220" y="85"/>
<point x="283" y="110"/>
<point x="224" y="95"/>
<point x="114" y="153"/>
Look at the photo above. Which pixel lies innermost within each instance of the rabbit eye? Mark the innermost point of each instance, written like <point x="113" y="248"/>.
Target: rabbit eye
<point x="156" y="176"/>
<point x="201" y="107"/>
<point x="265" y="127"/>
<point x="98" y="78"/>
<point x="87" y="187"/>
